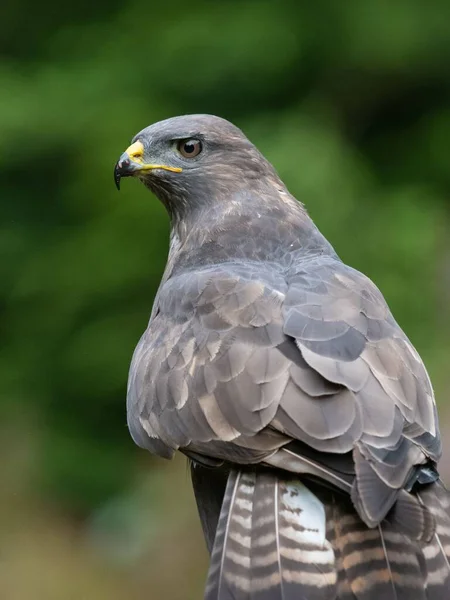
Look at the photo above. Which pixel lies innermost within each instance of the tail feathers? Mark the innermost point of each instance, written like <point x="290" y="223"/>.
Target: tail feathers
<point x="437" y="552"/>
<point x="271" y="543"/>
<point x="209" y="488"/>
<point x="290" y="555"/>
<point x="411" y="517"/>
<point x="398" y="560"/>
<point x="229" y="570"/>
<point x="344" y="590"/>
<point x="276" y="540"/>
<point x="374" y="563"/>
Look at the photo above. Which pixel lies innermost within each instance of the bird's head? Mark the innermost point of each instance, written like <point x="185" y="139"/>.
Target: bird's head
<point x="191" y="160"/>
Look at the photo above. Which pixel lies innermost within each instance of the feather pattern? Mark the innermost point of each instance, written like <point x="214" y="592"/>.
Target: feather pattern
<point x="314" y="356"/>
<point x="229" y="571"/>
<point x="437" y="552"/>
<point x="264" y="351"/>
<point x="383" y="562"/>
<point x="278" y="539"/>
<point x="271" y="542"/>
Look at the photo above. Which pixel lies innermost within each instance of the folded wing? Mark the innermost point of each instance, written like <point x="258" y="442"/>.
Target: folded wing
<point x="237" y="364"/>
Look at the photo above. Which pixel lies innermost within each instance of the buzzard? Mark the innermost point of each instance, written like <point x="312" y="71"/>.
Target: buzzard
<point x="307" y="414"/>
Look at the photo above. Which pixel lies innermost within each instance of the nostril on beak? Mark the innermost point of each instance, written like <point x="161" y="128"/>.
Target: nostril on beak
<point x="136" y="151"/>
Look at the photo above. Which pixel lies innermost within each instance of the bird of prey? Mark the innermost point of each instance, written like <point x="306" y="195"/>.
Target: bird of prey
<point x="307" y="414"/>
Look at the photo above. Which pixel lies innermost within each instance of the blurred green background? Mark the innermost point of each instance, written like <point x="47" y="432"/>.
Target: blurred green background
<point x="349" y="100"/>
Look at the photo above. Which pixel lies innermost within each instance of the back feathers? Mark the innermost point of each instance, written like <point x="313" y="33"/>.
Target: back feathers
<point x="279" y="539"/>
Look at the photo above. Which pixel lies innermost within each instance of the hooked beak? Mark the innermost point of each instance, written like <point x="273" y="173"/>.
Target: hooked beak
<point x="132" y="163"/>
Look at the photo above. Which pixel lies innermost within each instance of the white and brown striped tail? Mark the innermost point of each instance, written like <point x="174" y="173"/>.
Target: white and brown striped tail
<point x="385" y="563"/>
<point x="270" y="543"/>
<point x="276" y="540"/>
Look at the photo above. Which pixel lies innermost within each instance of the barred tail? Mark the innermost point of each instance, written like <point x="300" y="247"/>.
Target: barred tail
<point x="386" y="563"/>
<point x="270" y="542"/>
<point x="276" y="540"/>
<point x="437" y="552"/>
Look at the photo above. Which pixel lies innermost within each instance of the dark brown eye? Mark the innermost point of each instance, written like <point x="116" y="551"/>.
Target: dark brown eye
<point x="189" y="148"/>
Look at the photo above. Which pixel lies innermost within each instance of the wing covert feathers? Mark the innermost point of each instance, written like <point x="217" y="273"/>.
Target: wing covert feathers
<point x="316" y="357"/>
<point x="277" y="540"/>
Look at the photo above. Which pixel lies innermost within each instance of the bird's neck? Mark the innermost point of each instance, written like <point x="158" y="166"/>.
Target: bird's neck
<point x="247" y="227"/>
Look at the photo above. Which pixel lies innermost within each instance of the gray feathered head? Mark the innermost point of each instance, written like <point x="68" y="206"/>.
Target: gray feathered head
<point x="189" y="160"/>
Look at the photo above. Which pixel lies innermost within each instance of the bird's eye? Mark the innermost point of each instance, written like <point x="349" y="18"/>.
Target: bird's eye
<point x="189" y="148"/>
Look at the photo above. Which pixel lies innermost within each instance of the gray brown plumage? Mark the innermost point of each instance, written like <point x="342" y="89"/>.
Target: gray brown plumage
<point x="280" y="371"/>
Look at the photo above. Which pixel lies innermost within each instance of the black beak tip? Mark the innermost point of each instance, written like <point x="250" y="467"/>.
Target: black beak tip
<point x="117" y="175"/>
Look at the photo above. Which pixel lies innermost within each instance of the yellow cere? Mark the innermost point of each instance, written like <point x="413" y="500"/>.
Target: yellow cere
<point x="136" y="153"/>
